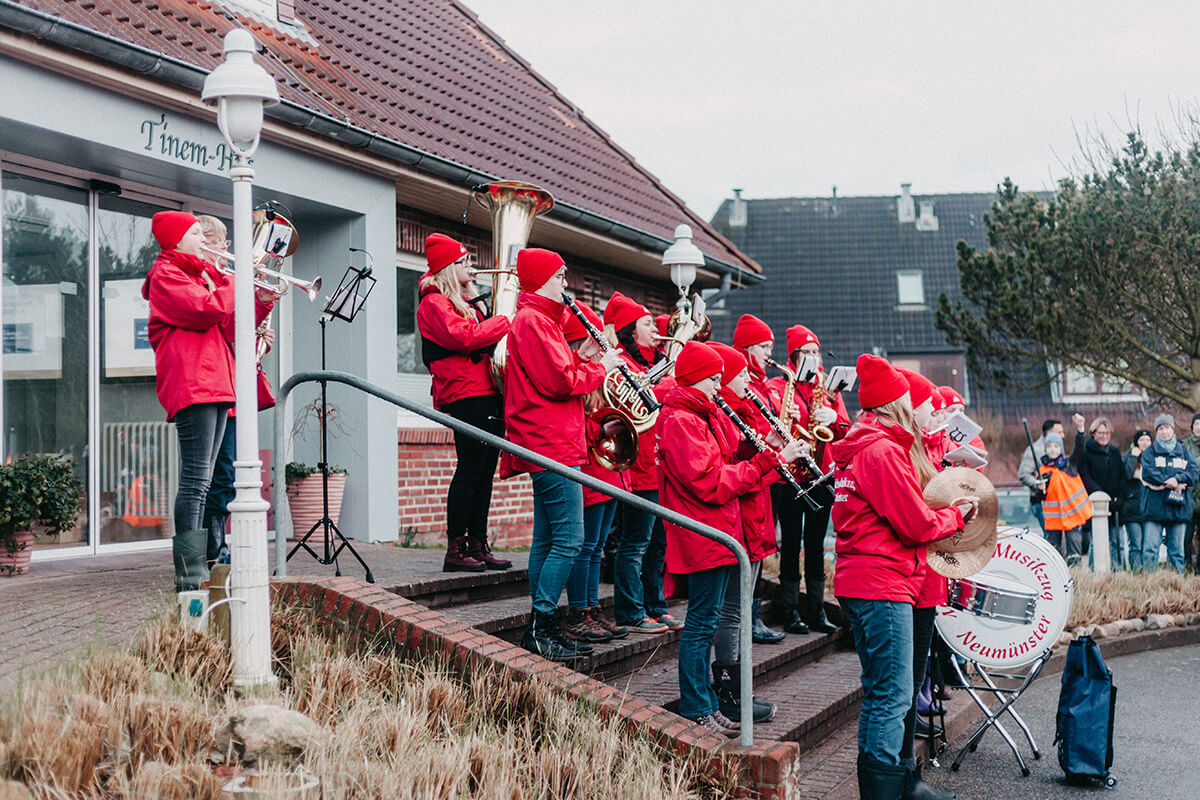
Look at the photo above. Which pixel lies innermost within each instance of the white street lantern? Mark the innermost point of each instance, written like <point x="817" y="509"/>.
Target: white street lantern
<point x="683" y="258"/>
<point x="240" y="88"/>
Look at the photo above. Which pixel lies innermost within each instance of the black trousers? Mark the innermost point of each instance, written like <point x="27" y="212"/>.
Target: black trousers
<point x="470" y="495"/>
<point x="801" y="527"/>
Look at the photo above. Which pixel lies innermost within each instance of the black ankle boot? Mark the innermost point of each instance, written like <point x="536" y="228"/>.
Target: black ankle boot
<point x="790" y="594"/>
<point x="760" y="633"/>
<point x="817" y="621"/>
<point x="728" y="685"/>
<point x="543" y="638"/>
<point x="879" y="781"/>
<point x="917" y="789"/>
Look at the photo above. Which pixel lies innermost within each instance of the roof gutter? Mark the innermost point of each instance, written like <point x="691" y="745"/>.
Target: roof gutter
<point x="63" y="33"/>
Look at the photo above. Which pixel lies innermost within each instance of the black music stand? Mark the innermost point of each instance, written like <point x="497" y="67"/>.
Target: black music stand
<point x="345" y="303"/>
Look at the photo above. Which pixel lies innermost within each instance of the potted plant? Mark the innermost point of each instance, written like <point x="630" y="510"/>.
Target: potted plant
<point x="35" y="491"/>
<point x="303" y="483"/>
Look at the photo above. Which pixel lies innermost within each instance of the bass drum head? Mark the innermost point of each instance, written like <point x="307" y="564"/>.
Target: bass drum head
<point x="1030" y="561"/>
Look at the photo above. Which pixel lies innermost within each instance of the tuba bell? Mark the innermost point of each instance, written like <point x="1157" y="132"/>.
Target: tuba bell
<point x="687" y="323"/>
<point x="513" y="206"/>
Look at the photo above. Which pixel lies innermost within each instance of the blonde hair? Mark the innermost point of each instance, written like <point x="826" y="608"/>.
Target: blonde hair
<point x="444" y="281"/>
<point x="899" y="412"/>
<point x="1097" y="422"/>
<point x="210" y="227"/>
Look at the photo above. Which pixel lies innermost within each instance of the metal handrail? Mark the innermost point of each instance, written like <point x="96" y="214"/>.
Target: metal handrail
<point x="283" y="519"/>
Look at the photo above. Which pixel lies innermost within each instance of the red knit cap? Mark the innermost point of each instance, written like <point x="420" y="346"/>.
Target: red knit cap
<point x="660" y="322"/>
<point x="750" y="331"/>
<point x="535" y="266"/>
<point x="732" y="360"/>
<point x="939" y="402"/>
<point x="169" y="227"/>
<point x="798" y="336"/>
<point x="622" y="311"/>
<point x="441" y="251"/>
<point x="696" y="362"/>
<point x="951" y="397"/>
<point x="879" y="383"/>
<point x="920" y="388"/>
<point x="573" y="330"/>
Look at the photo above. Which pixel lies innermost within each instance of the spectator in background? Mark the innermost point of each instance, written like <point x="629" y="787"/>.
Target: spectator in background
<point x="1102" y="470"/>
<point x="1066" y="506"/>
<point x="1029" y="470"/>
<point x="1131" y="509"/>
<point x="1191" y="553"/>
<point x="1168" y="470"/>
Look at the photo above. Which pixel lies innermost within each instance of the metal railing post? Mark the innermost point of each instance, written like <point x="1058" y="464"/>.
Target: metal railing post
<point x="283" y="520"/>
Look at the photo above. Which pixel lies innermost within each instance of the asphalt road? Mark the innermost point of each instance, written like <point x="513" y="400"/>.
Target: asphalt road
<point x="1156" y="739"/>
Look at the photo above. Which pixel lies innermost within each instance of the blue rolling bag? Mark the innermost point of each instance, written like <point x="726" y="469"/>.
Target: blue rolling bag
<point x="1086" y="709"/>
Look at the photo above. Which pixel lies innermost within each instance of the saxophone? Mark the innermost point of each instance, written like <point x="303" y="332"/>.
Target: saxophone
<point x="815" y="434"/>
<point x="819" y="434"/>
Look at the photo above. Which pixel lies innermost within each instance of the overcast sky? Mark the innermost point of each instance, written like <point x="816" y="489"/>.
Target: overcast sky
<point x="793" y="98"/>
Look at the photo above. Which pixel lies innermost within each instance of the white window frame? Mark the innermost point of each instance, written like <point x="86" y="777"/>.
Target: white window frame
<point x="415" y="385"/>
<point x="903" y="304"/>
<point x="1060" y="392"/>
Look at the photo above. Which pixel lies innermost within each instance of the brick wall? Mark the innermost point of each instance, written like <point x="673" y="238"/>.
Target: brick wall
<point x="427" y="461"/>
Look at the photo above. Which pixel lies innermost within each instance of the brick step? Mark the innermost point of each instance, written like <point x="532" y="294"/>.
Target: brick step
<point x="445" y="589"/>
<point x="814" y="699"/>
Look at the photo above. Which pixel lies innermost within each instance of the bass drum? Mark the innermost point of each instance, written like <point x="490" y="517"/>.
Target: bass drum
<point x="1025" y="560"/>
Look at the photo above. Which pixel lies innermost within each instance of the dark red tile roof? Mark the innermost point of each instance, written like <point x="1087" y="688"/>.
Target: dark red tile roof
<point x="427" y="74"/>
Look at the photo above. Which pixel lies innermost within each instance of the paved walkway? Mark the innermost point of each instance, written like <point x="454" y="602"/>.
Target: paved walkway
<point x="62" y="608"/>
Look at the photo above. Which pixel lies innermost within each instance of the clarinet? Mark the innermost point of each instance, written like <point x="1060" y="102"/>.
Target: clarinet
<point x="777" y="426"/>
<point x="753" y="438"/>
<point x="643" y="392"/>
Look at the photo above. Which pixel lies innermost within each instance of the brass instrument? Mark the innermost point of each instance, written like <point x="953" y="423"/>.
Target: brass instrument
<point x="626" y="407"/>
<point x="821" y="434"/>
<point x="274" y="240"/>
<point x="513" y="206"/>
<point x="753" y="438"/>
<point x="687" y="323"/>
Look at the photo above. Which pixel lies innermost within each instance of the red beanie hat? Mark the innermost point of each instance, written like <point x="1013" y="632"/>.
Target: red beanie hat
<point x="696" y="362"/>
<point x="951" y="397"/>
<point x="535" y="266"/>
<point x="939" y="402"/>
<point x="660" y="323"/>
<point x="751" y="330"/>
<point x="879" y="383"/>
<point x="920" y="388"/>
<point x="798" y="336"/>
<point x="573" y="329"/>
<point x="733" y="362"/>
<point x="622" y="311"/>
<point x="441" y="251"/>
<point x="169" y="227"/>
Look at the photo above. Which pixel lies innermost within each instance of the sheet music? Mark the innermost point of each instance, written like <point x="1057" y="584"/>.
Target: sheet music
<point x="841" y="379"/>
<point x="959" y="428"/>
<point x="966" y="456"/>
<point x="806" y="370"/>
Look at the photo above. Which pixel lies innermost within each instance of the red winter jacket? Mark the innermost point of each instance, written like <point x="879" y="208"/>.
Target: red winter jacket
<point x="934" y="589"/>
<point x="193" y="362"/>
<point x="697" y="481"/>
<point x="758" y="518"/>
<point x="461" y="375"/>
<point x="880" y="516"/>
<point x="643" y="475"/>
<point x="544" y="386"/>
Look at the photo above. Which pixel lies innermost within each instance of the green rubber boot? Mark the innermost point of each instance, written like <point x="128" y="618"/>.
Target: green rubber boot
<point x="190" y="549"/>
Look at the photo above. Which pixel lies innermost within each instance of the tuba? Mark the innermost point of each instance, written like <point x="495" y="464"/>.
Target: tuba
<point x="513" y="206"/>
<point x="687" y="323"/>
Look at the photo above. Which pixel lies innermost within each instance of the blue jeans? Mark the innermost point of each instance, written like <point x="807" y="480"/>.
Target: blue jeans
<point x="629" y="602"/>
<point x="1135" y="532"/>
<point x="1074" y="543"/>
<point x="201" y="428"/>
<point x="706" y="594"/>
<point x="652" y="570"/>
<point x="1036" y="508"/>
<point x="583" y="587"/>
<point x="1116" y="547"/>
<point x="1154" y="532"/>
<point x="883" y="638"/>
<point x="557" y="537"/>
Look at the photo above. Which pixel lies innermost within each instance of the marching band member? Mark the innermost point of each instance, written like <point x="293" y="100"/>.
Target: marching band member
<point x="455" y="346"/>
<point x="638" y="602"/>
<point x="585" y="619"/>
<point x="882" y="524"/>
<point x="544" y="387"/>
<point x="801" y="526"/>
<point x="758" y="532"/>
<point x="954" y="403"/>
<point x="191" y="324"/>
<point x="696" y="480"/>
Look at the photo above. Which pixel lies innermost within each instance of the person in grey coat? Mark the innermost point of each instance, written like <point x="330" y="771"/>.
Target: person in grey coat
<point x="1168" y="470"/>
<point x="1029" y="471"/>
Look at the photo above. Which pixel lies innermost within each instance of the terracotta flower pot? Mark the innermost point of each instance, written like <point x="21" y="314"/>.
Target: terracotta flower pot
<point x="15" y="556"/>
<point x="304" y="500"/>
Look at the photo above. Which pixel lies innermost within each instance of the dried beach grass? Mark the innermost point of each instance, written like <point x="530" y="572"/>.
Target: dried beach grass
<point x="1125" y="595"/>
<point x="140" y="724"/>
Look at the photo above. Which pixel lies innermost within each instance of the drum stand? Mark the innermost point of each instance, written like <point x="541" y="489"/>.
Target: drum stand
<point x="992" y="716"/>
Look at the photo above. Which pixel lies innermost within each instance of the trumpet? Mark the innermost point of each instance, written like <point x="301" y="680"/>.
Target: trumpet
<point x="310" y="288"/>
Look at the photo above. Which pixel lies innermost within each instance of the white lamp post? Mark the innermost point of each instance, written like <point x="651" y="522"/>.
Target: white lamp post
<point x="683" y="258"/>
<point x="241" y="88"/>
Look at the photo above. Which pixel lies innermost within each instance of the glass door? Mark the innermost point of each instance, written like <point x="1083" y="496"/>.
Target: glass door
<point x="45" y="316"/>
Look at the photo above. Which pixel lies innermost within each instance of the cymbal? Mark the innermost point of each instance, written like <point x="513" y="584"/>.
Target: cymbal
<point x="953" y="483"/>
<point x="963" y="564"/>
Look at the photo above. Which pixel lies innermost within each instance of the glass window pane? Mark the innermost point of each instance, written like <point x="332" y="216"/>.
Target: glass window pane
<point x="45" y="327"/>
<point x="139" y="461"/>
<point x="911" y="288"/>
<point x="408" y="342"/>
